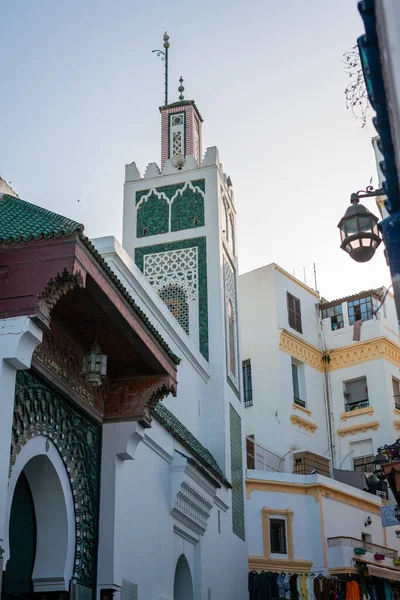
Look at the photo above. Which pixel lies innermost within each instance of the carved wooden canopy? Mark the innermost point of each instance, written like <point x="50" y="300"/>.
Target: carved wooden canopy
<point x="63" y="284"/>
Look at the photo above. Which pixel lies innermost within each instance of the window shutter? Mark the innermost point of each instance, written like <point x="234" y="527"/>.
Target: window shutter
<point x="298" y="315"/>
<point x="291" y="310"/>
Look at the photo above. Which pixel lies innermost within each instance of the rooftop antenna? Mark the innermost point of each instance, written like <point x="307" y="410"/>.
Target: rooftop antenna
<point x="163" y="54"/>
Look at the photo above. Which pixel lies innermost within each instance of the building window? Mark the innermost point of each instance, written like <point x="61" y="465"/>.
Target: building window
<point x="296" y="386"/>
<point x="247" y="383"/>
<point x="362" y="309"/>
<point x="364" y="464"/>
<point x="335" y="313"/>
<point x="396" y="392"/>
<point x="356" y="394"/>
<point x="277" y="529"/>
<point x="294" y="312"/>
<point x="366" y="537"/>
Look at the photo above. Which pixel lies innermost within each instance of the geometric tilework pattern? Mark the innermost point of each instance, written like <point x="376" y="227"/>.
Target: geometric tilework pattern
<point x="170" y="208"/>
<point x="173" y="274"/>
<point x="231" y="323"/>
<point x="236" y="473"/>
<point x="188" y="274"/>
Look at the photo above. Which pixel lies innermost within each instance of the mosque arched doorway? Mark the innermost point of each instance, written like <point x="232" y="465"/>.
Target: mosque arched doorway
<point x="22" y="543"/>
<point x="183" y="584"/>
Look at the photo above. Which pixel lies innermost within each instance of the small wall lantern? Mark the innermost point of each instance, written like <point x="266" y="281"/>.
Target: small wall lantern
<point x="94" y="366"/>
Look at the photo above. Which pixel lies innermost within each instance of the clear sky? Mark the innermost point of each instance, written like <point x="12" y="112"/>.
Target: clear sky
<point x="80" y="96"/>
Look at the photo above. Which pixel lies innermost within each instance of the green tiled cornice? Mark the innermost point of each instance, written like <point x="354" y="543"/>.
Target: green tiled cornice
<point x="189" y="441"/>
<point x="22" y="221"/>
<point x="183" y="103"/>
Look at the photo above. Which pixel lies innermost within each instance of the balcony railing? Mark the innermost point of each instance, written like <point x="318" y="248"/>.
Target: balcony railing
<point x="356" y="404"/>
<point x="351" y="542"/>
<point x="299" y="402"/>
<point x="261" y="458"/>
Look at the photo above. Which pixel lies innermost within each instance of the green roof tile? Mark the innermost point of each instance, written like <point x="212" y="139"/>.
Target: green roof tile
<point x="187" y="439"/>
<point x="22" y="221"/>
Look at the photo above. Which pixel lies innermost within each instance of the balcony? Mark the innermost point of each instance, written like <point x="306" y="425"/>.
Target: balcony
<point x="341" y="553"/>
<point x="357" y="404"/>
<point x="262" y="459"/>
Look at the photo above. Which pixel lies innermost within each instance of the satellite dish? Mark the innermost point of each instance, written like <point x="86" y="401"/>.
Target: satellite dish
<point x="178" y="161"/>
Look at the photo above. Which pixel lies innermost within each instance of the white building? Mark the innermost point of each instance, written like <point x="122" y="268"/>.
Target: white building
<point x="126" y="470"/>
<point x="305" y="365"/>
<point x="316" y="401"/>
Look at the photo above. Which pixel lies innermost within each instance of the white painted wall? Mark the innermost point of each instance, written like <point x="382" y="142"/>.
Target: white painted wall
<point x="263" y="314"/>
<point x="315" y="522"/>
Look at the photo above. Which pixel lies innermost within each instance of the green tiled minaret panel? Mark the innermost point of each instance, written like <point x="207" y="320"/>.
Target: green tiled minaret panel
<point x="236" y="473"/>
<point x="152" y="216"/>
<point x="170" y="208"/>
<point x="200" y="243"/>
<point x="187" y="210"/>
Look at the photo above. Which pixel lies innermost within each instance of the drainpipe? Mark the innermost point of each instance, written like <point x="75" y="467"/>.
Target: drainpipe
<point x="328" y="403"/>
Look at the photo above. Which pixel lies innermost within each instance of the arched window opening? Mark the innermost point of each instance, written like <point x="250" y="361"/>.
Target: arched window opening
<point x="176" y="300"/>
<point x="231" y="338"/>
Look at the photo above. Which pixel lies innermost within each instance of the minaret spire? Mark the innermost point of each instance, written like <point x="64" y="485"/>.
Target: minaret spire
<point x="181" y="89"/>
<point x="163" y="54"/>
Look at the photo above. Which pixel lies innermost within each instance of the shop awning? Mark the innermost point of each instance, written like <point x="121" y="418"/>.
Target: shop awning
<point x="383" y="573"/>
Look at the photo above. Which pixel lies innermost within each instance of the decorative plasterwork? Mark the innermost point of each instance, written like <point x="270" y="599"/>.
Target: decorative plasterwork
<point x="192" y="495"/>
<point x="300" y="422"/>
<point x="40" y="410"/>
<point x="276" y="565"/>
<point x="303" y="351"/>
<point x="397" y="425"/>
<point x="367" y="410"/>
<point x="231" y="333"/>
<point x="353" y="429"/>
<point x="55" y="289"/>
<point x="135" y="399"/>
<point x="267" y="513"/>
<point x="347" y="356"/>
<point x="315" y="490"/>
<point x="359" y="353"/>
<point x="177" y="270"/>
<point x="397" y="412"/>
<point x="307" y="411"/>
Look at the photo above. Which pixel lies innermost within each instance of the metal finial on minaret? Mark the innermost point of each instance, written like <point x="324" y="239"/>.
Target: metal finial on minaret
<point x="181" y="89"/>
<point x="163" y="54"/>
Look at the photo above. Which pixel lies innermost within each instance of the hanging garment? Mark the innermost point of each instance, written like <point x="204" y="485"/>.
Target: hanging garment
<point x="364" y="587"/>
<point x="286" y="585"/>
<point x="373" y="592"/>
<point x="310" y="588"/>
<point x="388" y="593"/>
<point x="352" y="590"/>
<point x="357" y="330"/>
<point x="280" y="582"/>
<point x="294" y="594"/>
<point x="302" y="587"/>
<point x="321" y="588"/>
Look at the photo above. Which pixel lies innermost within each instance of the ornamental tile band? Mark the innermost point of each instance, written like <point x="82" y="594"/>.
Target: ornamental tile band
<point x="189" y="275"/>
<point x="362" y="427"/>
<point x="40" y="410"/>
<point x="303" y="423"/>
<point x="235" y="423"/>
<point x="170" y="208"/>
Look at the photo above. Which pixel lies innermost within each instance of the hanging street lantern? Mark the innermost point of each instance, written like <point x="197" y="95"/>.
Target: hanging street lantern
<point x="359" y="227"/>
<point x="94" y="366"/>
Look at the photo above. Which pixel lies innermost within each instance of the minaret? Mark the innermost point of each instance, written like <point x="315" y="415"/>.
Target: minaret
<point x="179" y="228"/>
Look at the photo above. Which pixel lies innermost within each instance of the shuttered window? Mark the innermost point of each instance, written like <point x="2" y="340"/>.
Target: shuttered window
<point x="294" y="312"/>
